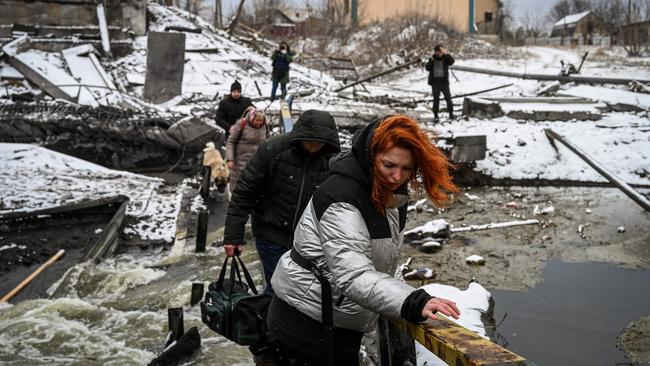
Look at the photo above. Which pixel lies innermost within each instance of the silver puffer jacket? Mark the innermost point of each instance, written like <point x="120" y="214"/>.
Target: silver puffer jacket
<point x="355" y="246"/>
<point x="358" y="267"/>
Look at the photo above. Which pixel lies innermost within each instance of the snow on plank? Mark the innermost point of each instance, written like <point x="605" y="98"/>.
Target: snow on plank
<point x="42" y="69"/>
<point x="625" y="100"/>
<point x="97" y="86"/>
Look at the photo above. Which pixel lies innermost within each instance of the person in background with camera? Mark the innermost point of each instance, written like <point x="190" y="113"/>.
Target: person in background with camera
<point x="351" y="234"/>
<point x="438" y="67"/>
<point x="281" y="57"/>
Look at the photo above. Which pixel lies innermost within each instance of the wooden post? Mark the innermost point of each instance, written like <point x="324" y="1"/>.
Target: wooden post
<point x="175" y="322"/>
<point x="27" y="280"/>
<point x="202" y="231"/>
<point x="197" y="293"/>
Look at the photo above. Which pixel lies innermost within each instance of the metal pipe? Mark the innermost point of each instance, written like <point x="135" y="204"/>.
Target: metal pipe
<point x="618" y="182"/>
<point x="378" y="75"/>
<point x="568" y="78"/>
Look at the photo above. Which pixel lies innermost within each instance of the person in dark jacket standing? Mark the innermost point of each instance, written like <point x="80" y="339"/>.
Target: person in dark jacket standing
<point x="232" y="107"/>
<point x="276" y="185"/>
<point x="438" y="67"/>
<point x="352" y="231"/>
<point x="281" y="57"/>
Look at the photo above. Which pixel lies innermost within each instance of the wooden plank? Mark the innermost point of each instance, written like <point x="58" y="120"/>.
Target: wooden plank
<point x="614" y="179"/>
<point x="391" y="70"/>
<point x="285" y="117"/>
<point x="107" y="244"/>
<point x="65" y="208"/>
<point x="457" y="346"/>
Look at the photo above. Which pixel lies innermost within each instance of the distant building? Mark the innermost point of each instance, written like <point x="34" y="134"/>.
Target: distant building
<point x="465" y="16"/>
<point x="637" y="33"/>
<point x="290" y="21"/>
<point x="579" y="29"/>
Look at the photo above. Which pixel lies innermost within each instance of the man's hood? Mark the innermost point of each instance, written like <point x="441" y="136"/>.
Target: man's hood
<point x="357" y="163"/>
<point x="317" y="125"/>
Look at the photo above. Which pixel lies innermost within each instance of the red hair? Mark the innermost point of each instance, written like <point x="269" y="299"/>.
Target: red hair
<point x="431" y="165"/>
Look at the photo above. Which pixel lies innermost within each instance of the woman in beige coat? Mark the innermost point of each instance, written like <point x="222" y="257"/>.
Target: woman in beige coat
<point x="245" y="136"/>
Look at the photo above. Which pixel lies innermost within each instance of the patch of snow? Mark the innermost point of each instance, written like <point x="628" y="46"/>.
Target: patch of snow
<point x="475" y="259"/>
<point x="471" y="302"/>
<point x="36" y="178"/>
<point x="431" y="227"/>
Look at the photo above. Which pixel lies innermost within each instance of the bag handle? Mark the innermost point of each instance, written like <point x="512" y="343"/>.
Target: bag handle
<point x="247" y="275"/>
<point x="222" y="274"/>
<point x="234" y="271"/>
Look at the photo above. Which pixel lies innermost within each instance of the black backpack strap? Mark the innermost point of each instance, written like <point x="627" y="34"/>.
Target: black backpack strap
<point x="326" y="301"/>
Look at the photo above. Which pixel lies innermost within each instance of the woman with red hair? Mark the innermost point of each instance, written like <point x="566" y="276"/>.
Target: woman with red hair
<point x="330" y="288"/>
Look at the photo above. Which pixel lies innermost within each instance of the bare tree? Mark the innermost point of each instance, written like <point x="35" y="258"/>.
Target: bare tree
<point x="567" y="7"/>
<point x="235" y="19"/>
<point x="532" y="23"/>
<point x="612" y="13"/>
<point x="636" y="38"/>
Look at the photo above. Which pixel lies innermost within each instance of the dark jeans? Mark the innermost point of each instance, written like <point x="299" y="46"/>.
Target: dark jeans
<point x="436" y="88"/>
<point x="270" y="254"/>
<point x="274" y="88"/>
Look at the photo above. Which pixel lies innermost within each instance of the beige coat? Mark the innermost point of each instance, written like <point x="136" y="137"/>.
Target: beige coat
<point x="241" y="146"/>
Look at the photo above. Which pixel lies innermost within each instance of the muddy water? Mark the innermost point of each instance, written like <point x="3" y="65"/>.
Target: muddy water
<point x="574" y="315"/>
<point x="559" y="313"/>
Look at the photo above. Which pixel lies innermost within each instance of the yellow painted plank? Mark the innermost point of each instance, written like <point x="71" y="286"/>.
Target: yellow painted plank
<point x="457" y="345"/>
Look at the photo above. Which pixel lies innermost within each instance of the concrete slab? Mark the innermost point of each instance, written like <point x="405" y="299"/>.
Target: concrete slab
<point x="97" y="86"/>
<point x="165" y="64"/>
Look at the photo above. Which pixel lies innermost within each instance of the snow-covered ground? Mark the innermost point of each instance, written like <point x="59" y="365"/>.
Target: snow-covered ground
<point x="35" y="178"/>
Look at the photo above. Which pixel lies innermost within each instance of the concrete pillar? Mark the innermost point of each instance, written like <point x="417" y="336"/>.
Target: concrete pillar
<point x="165" y="64"/>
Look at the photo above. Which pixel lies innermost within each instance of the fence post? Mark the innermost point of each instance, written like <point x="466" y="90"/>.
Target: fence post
<point x="202" y="231"/>
<point x="176" y="326"/>
<point x="197" y="293"/>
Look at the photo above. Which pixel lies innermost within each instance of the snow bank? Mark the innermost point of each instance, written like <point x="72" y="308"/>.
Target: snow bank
<point x="35" y="178"/>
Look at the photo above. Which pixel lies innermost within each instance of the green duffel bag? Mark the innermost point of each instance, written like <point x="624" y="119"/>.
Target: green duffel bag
<point x="230" y="310"/>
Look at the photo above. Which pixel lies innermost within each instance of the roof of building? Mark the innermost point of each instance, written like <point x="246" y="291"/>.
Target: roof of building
<point x="296" y="15"/>
<point x="571" y="19"/>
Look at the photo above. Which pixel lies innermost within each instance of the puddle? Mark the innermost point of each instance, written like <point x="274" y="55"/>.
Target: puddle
<point x="574" y="315"/>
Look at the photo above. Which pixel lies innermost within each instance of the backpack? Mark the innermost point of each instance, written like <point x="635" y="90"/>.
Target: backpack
<point x="230" y="310"/>
<point x="243" y="125"/>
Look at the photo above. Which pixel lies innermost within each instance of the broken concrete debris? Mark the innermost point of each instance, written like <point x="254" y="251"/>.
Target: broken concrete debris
<point x="89" y="83"/>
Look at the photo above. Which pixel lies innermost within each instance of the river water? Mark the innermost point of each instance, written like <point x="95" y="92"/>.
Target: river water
<point x="574" y="315"/>
<point x="116" y="313"/>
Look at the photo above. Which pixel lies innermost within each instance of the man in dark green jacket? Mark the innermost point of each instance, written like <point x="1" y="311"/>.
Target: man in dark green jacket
<point x="276" y="185"/>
